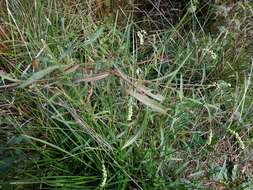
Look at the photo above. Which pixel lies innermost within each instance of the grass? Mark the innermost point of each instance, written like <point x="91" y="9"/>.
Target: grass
<point x="102" y="104"/>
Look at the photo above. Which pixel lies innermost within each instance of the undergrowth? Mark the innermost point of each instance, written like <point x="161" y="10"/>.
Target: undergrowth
<point x="89" y="103"/>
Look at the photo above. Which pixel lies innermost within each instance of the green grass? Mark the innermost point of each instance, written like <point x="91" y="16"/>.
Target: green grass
<point x="85" y="105"/>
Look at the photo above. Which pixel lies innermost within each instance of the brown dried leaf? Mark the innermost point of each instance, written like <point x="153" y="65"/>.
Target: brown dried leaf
<point x="92" y="78"/>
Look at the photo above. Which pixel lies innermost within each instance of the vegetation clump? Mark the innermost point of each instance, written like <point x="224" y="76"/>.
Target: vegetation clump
<point x="146" y="95"/>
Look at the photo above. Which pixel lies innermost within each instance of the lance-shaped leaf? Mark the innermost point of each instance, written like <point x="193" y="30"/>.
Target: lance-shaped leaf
<point x="92" y="78"/>
<point x="132" y="139"/>
<point x="5" y="76"/>
<point x="94" y="37"/>
<point x="37" y="76"/>
<point x="148" y="92"/>
<point x="71" y="68"/>
<point x="140" y="88"/>
<point x="148" y="102"/>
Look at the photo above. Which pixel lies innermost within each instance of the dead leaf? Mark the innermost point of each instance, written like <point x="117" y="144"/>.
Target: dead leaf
<point x="71" y="68"/>
<point x="92" y="78"/>
<point x="148" y="92"/>
<point x="140" y="88"/>
<point x="148" y="102"/>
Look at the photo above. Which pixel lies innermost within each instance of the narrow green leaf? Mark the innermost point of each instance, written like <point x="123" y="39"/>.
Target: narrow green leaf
<point x="37" y="76"/>
<point x="6" y="164"/>
<point x="132" y="140"/>
<point x="57" y="148"/>
<point x="5" y="76"/>
<point x="140" y="131"/>
<point x="181" y="92"/>
<point x="94" y="37"/>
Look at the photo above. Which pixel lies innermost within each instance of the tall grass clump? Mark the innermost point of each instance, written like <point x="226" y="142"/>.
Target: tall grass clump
<point x="89" y="101"/>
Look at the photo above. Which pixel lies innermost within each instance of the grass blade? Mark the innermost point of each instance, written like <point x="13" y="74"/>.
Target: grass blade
<point x="5" y="76"/>
<point x="94" y="37"/>
<point x="57" y="148"/>
<point x="89" y="130"/>
<point x="37" y="76"/>
<point x="132" y="140"/>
